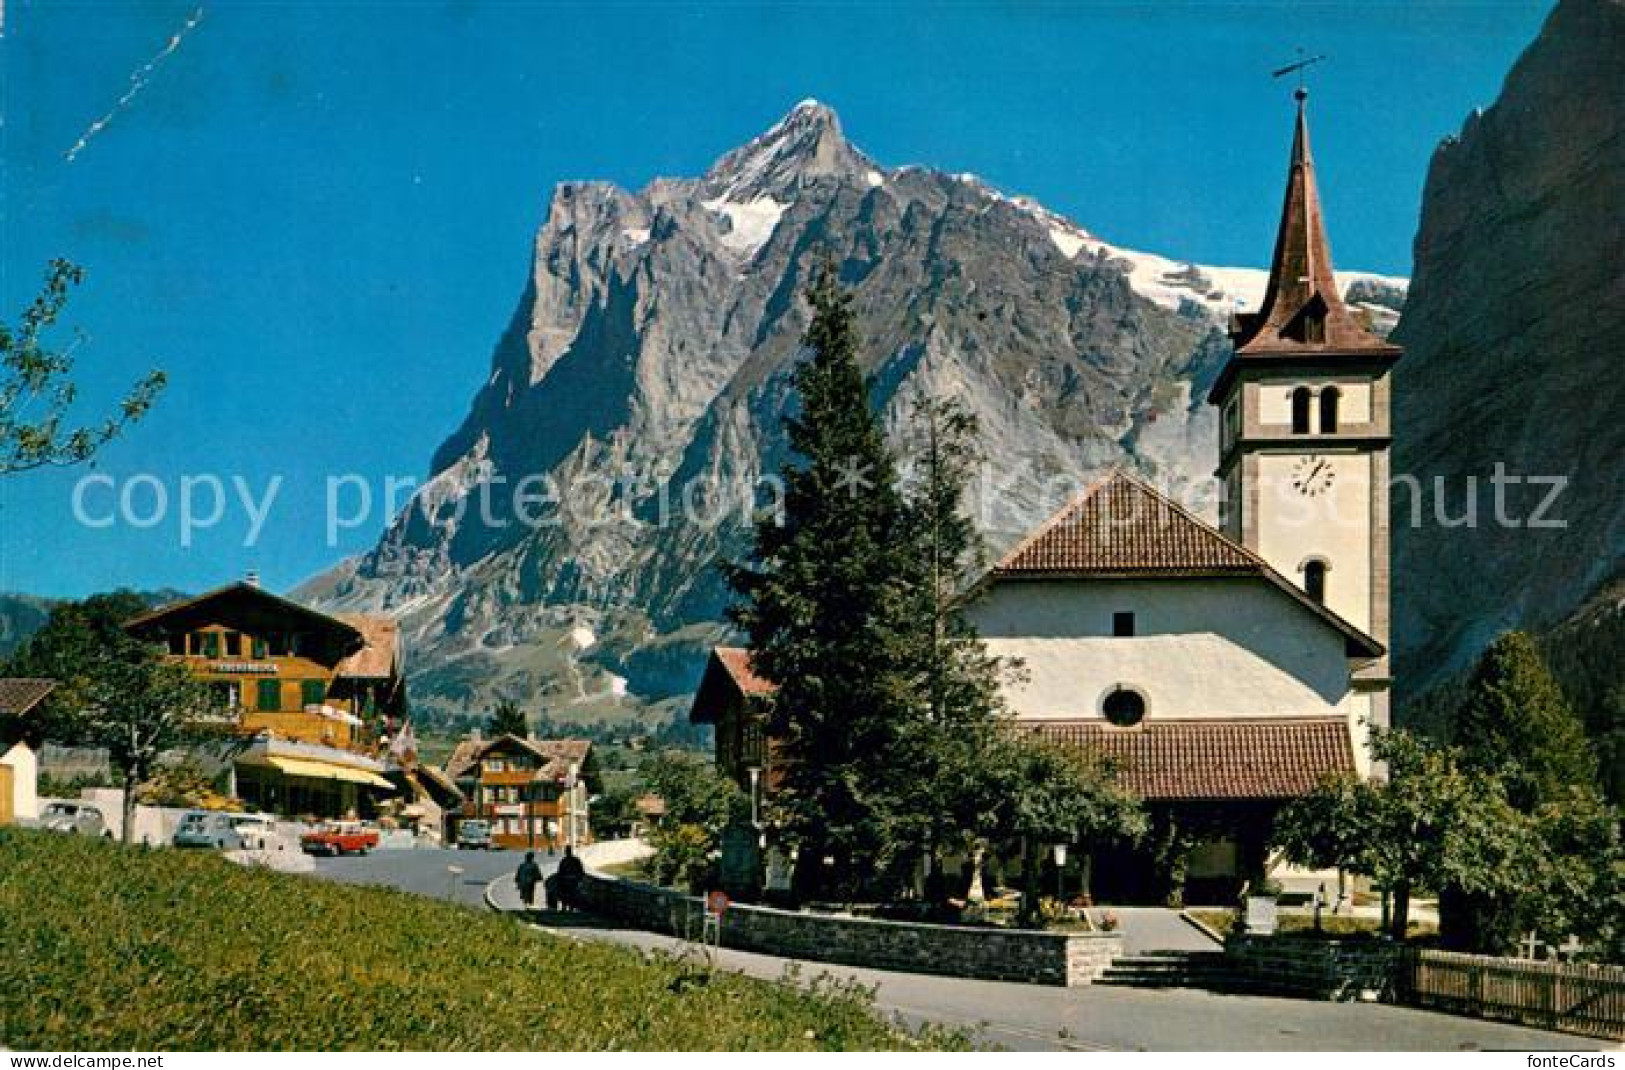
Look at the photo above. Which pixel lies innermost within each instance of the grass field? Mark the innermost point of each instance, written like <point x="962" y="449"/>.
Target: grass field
<point x="104" y="947"/>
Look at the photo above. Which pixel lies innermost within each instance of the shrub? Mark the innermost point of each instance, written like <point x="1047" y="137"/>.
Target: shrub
<point x="108" y="947"/>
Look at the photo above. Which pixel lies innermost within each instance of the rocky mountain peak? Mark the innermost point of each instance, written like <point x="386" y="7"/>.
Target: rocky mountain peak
<point x="646" y="371"/>
<point x="806" y="144"/>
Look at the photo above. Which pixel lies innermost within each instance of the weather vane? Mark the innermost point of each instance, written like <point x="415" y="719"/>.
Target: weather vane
<point x="1298" y="67"/>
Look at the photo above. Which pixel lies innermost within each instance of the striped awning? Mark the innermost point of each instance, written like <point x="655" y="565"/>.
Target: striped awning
<point x="314" y="770"/>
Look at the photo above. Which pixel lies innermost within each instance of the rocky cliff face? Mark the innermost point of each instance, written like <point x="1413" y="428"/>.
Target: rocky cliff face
<point x="643" y="377"/>
<point x="1515" y="331"/>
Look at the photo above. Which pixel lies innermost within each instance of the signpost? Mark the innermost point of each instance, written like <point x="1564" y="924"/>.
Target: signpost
<point x="1261" y="914"/>
<point x="716" y="905"/>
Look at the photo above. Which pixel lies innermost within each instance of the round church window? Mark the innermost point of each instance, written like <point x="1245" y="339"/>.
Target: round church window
<point x="1123" y="707"/>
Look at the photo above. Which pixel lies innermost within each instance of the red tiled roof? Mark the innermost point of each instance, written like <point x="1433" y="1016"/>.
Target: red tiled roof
<point x="1120" y="526"/>
<point x="19" y="694"/>
<point x="736" y="661"/>
<point x="379" y="656"/>
<point x="1192" y="759"/>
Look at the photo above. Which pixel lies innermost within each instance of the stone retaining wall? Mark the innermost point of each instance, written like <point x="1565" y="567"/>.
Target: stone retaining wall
<point x="1024" y="955"/>
<point x="1319" y="968"/>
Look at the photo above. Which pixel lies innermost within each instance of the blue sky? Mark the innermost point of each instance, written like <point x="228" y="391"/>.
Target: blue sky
<point x="317" y="217"/>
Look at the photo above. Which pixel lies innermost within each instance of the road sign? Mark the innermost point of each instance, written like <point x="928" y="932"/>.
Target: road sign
<point x="716" y="903"/>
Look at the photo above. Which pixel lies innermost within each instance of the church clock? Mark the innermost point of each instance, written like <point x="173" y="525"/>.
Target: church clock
<point x="1313" y="475"/>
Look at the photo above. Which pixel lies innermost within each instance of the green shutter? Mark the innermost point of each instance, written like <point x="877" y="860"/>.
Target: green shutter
<point x="259" y="648"/>
<point x="211" y="644"/>
<point x="313" y="692"/>
<point x="270" y="695"/>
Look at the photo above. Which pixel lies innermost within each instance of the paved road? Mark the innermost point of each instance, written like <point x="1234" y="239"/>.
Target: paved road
<point x="1015" y="1016"/>
<point x="1038" y="1018"/>
<point x="425" y="871"/>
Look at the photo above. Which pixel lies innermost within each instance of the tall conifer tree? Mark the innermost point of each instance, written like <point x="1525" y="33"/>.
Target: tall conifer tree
<point x="1515" y="723"/>
<point x="824" y="598"/>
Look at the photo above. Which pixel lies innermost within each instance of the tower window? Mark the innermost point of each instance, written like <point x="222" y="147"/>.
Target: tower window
<point x="1314" y="328"/>
<point x="1328" y="410"/>
<point x="1122" y="625"/>
<point x="1123" y="707"/>
<point x="1314" y="580"/>
<point x="1301" y="400"/>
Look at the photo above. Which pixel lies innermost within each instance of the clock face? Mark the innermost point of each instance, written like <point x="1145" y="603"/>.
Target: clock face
<point x="1312" y="475"/>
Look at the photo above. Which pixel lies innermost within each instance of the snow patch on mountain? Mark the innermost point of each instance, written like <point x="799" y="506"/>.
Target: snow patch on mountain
<point x="750" y="224"/>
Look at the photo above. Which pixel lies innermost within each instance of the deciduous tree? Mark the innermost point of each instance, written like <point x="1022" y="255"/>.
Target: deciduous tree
<point x="117" y="692"/>
<point x="1433" y="824"/>
<point x="37" y="392"/>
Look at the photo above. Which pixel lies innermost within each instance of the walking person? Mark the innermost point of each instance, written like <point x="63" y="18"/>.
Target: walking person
<point x="571" y="873"/>
<point x="528" y="877"/>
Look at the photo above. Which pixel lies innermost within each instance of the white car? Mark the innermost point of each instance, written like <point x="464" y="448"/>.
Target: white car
<point x="79" y="819"/>
<point x="226" y="832"/>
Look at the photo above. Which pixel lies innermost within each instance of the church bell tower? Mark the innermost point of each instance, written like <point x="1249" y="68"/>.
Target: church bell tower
<point x="1304" y="428"/>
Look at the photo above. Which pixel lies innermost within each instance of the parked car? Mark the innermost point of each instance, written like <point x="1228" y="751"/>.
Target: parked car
<point x="80" y="819"/>
<point x="339" y="838"/>
<point x="226" y="832"/>
<point x="474" y="835"/>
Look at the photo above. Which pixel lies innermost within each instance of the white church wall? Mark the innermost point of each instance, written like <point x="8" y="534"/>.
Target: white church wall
<point x="1358" y="708"/>
<point x="1202" y="648"/>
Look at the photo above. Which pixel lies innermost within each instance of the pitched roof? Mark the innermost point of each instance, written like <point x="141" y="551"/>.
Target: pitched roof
<point x="463" y="756"/>
<point x="380" y="656"/>
<point x="728" y="680"/>
<point x="555" y="756"/>
<point x="188" y="609"/>
<point x="1120" y="528"/>
<point x="736" y="661"/>
<point x="1263" y="758"/>
<point x="19" y="694"/>
<point x="436" y="784"/>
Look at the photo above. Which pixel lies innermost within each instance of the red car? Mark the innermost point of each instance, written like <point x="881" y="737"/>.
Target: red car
<point x="339" y="838"/>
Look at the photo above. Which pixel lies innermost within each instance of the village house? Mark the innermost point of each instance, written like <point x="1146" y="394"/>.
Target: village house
<point x="1225" y="670"/>
<point x="318" y="694"/>
<point x="733" y="699"/>
<point x="19" y="747"/>
<point x="534" y="792"/>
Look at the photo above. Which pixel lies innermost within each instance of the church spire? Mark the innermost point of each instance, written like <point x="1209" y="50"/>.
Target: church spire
<point x="1302" y="308"/>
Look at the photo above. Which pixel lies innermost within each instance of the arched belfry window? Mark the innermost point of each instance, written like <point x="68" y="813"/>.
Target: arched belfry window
<point x="1328" y="410"/>
<point x="1302" y="398"/>
<point x="1314" y="579"/>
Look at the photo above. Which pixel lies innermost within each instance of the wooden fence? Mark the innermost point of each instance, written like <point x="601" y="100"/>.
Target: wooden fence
<point x="1572" y="997"/>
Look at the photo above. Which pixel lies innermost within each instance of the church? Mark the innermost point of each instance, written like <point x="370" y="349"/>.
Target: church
<point x="1225" y="670"/>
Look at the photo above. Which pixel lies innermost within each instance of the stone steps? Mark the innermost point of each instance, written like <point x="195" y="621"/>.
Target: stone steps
<point x="1208" y="970"/>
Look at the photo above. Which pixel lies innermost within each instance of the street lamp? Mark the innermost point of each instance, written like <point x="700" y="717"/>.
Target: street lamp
<point x="755" y="796"/>
<point x="1060" y="874"/>
<point x="575" y="774"/>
